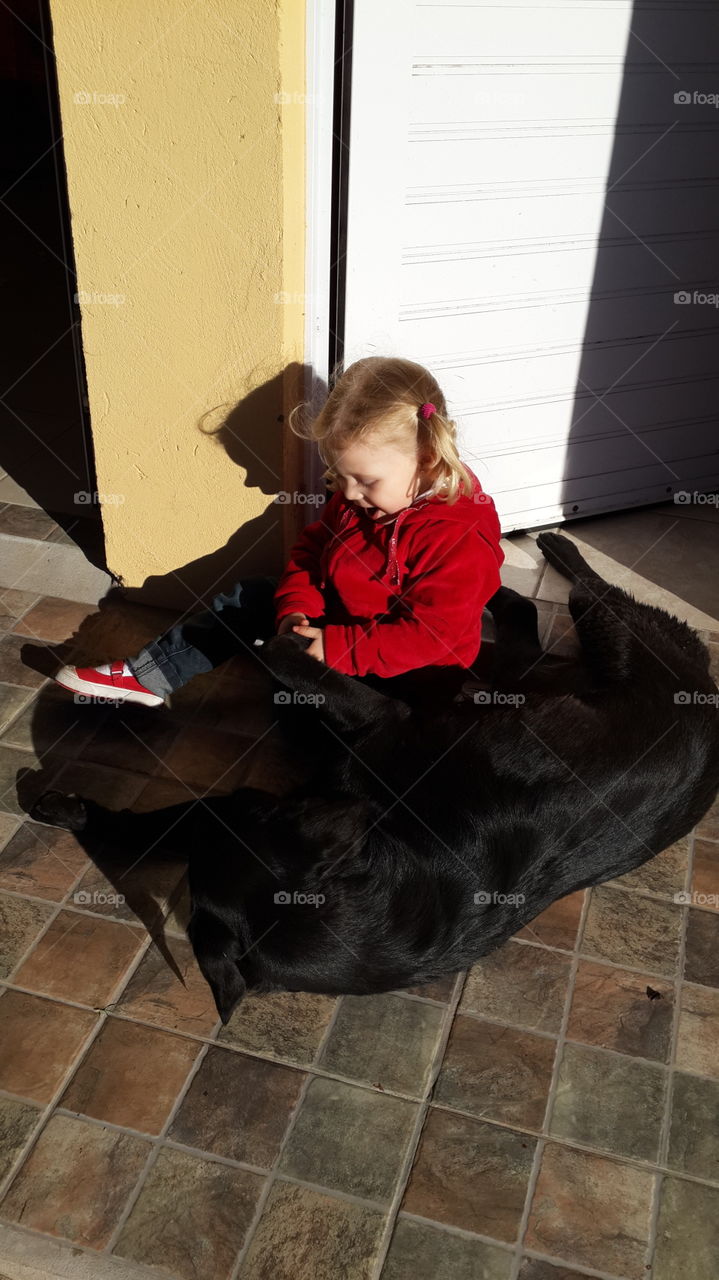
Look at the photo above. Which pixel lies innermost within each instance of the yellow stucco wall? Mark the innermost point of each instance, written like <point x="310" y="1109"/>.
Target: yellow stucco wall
<point x="184" y="144"/>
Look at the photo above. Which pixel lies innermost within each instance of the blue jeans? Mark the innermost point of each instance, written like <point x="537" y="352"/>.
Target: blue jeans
<point x="232" y="625"/>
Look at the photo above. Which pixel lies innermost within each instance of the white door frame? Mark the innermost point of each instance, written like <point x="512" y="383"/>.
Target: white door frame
<point x="321" y="17"/>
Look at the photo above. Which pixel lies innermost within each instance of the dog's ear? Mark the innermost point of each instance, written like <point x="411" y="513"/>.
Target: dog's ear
<point x="217" y="953"/>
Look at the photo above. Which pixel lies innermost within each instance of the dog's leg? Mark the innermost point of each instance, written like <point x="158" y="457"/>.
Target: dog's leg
<point x="603" y="614"/>
<point x="343" y="703"/>
<point x="516" y="651"/>
<point x="136" y="832"/>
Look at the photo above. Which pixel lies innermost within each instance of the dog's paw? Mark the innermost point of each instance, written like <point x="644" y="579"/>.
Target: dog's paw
<point x="56" y="809"/>
<point x="561" y="553"/>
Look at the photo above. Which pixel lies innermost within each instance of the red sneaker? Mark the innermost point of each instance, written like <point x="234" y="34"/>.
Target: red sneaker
<point x="113" y="681"/>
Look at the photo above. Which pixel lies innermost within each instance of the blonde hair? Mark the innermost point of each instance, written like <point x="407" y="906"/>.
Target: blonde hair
<point x="380" y="397"/>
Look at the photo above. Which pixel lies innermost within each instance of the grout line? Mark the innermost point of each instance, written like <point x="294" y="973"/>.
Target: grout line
<point x="154" y="1153"/>
<point x="272" y="1176"/>
<point x="405" y="1171"/>
<point x="46" y="1113"/>
<point x="674" y="1044"/>
<point x="551" y="1094"/>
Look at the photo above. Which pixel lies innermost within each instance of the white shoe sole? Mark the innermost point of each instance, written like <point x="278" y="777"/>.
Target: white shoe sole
<point x="67" y="678"/>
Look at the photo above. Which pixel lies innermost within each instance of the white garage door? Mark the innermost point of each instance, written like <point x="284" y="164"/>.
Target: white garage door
<point x="532" y="198"/>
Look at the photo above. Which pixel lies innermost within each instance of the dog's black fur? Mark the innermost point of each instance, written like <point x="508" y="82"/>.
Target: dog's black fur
<point x="414" y="813"/>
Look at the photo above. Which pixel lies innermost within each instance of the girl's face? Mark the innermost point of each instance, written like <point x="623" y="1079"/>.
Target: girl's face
<point x="379" y="478"/>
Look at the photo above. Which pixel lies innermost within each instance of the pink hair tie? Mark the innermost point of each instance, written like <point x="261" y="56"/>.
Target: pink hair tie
<point x="427" y="410"/>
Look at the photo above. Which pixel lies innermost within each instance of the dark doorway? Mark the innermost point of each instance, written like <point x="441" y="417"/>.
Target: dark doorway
<point x="46" y="455"/>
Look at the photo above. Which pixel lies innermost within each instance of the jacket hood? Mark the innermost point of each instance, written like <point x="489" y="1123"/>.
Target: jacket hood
<point x="473" y="511"/>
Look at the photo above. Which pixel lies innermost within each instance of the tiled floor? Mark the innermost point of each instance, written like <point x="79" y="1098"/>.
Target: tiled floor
<point x="551" y="1114"/>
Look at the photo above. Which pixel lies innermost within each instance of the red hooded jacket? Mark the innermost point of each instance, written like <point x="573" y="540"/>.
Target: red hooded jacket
<point x="403" y="592"/>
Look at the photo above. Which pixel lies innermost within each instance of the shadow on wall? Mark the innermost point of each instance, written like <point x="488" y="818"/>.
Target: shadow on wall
<point x="645" y="408"/>
<point x="256" y="439"/>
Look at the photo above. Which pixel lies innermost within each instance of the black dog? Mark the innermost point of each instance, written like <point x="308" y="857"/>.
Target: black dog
<point x="427" y="839"/>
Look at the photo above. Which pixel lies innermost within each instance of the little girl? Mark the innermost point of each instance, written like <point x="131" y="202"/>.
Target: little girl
<point x="388" y="585"/>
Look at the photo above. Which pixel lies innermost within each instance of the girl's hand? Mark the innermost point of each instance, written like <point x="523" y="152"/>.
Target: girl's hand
<point x="317" y="648"/>
<point x="290" y="621"/>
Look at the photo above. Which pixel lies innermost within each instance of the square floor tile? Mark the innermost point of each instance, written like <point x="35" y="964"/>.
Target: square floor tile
<point x="618" y="1009"/>
<point x="17" y="1121"/>
<point x="212" y="1207"/>
<point x="115" y="788"/>
<point x="21" y="920"/>
<point x="133" y="890"/>
<point x="13" y="604"/>
<point x="238" y="1107"/>
<point x="287" y="1024"/>
<point x="131" y="737"/>
<point x="422" y="1252"/>
<point x="687" y="1232"/>
<point x="701" y="961"/>
<point x="592" y="1211"/>
<point x="664" y="874"/>
<point x="558" y="925"/>
<point x="384" y="1040"/>
<point x="204" y="759"/>
<point x="41" y="861"/>
<point x="76" y="1181"/>
<point x="53" y="618"/>
<point x="349" y="1139"/>
<point x="708" y="826"/>
<point x="12" y="698"/>
<point x="519" y="984"/>
<point x="608" y="1101"/>
<point x="301" y="1229"/>
<point x="80" y="958"/>
<point x="470" y="1175"/>
<point x="630" y="929"/>
<point x="441" y="989"/>
<point x="26" y="522"/>
<point x="131" y="1077"/>
<point x="23" y="776"/>
<point x="705" y="875"/>
<point x="52" y="724"/>
<point x="9" y="825"/>
<point x="155" y="993"/>
<point x="39" y="1040"/>
<point x="496" y="1073"/>
<point x="694" y="1135"/>
<point x="13" y="669"/>
<point x="698" y="1034"/>
<point x="538" y="1269"/>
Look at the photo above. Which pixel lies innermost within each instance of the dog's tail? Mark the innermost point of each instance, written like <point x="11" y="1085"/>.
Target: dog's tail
<point x="612" y="625"/>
